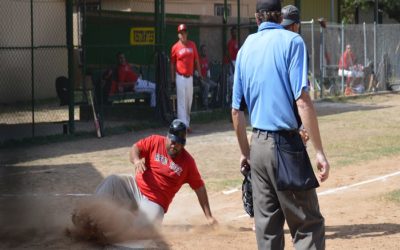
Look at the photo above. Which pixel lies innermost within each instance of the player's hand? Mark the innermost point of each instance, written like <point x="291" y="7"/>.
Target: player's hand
<point x="304" y="135"/>
<point x="244" y="162"/>
<point x="323" y="167"/>
<point x="211" y="221"/>
<point x="140" y="167"/>
<point x="244" y="166"/>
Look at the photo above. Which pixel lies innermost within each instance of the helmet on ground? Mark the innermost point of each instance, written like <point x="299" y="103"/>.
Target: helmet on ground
<point x="182" y="27"/>
<point x="177" y="132"/>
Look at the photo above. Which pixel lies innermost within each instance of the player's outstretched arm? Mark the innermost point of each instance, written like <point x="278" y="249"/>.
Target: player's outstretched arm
<point x="203" y="200"/>
<point x="134" y="158"/>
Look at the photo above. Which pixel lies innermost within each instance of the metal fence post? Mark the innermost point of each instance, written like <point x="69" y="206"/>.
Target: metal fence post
<point x="312" y="61"/>
<point x="238" y="23"/>
<point x="321" y="58"/>
<point x="32" y="74"/>
<point x="224" y="81"/>
<point x="342" y="51"/>
<point x="365" y="45"/>
<point x="71" y="76"/>
<point x="375" y="68"/>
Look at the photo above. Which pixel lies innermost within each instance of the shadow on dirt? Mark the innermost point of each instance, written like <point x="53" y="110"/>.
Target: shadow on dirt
<point x="19" y="181"/>
<point x="332" y="108"/>
<point x="37" y="202"/>
<point x="361" y="230"/>
<point x="23" y="153"/>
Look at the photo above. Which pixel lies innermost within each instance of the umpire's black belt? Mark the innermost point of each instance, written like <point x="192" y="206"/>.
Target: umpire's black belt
<point x="279" y="132"/>
<point x="186" y="76"/>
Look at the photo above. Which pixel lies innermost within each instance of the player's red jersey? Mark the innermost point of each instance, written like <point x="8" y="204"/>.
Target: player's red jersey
<point x="165" y="175"/>
<point x="233" y="49"/>
<point x="183" y="56"/>
<point x="204" y="66"/>
<point x="125" y="73"/>
<point x="346" y="60"/>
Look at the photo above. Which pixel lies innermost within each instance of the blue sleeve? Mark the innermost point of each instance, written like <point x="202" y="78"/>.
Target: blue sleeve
<point x="237" y="91"/>
<point x="298" y="67"/>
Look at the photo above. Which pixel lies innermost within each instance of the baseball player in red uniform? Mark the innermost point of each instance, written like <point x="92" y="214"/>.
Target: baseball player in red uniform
<point x="233" y="47"/>
<point x="184" y="57"/>
<point x="127" y="79"/>
<point x="162" y="166"/>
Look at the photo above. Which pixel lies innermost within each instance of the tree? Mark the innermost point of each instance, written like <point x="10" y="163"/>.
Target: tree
<point x="391" y="8"/>
<point x="348" y="8"/>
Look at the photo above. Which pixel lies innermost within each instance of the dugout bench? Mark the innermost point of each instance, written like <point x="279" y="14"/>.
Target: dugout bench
<point x="101" y="90"/>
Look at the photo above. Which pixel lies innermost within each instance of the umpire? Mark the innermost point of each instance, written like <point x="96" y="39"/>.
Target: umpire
<point x="271" y="75"/>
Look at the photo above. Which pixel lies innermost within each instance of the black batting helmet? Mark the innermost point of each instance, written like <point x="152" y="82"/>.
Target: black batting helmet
<point x="177" y="132"/>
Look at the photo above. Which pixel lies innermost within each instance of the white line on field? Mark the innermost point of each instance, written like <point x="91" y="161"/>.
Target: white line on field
<point x="334" y="190"/>
<point x="241" y="216"/>
<point x="230" y="191"/>
<point x="380" y="178"/>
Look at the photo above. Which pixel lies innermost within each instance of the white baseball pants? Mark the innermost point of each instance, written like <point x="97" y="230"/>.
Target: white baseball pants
<point x="123" y="189"/>
<point x="147" y="87"/>
<point x="184" y="96"/>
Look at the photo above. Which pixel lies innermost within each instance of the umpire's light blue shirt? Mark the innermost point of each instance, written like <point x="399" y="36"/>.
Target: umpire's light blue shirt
<point x="271" y="72"/>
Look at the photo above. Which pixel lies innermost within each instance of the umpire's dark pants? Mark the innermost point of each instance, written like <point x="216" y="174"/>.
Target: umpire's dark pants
<point x="272" y="207"/>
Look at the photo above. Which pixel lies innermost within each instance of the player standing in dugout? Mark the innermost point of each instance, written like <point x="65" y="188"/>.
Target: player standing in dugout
<point x="184" y="57"/>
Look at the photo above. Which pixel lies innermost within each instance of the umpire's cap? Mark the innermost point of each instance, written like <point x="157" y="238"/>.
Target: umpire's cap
<point x="182" y="27"/>
<point x="268" y="5"/>
<point x="177" y="132"/>
<point x="290" y="15"/>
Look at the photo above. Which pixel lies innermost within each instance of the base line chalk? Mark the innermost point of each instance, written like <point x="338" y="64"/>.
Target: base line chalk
<point x="380" y="178"/>
<point x="334" y="190"/>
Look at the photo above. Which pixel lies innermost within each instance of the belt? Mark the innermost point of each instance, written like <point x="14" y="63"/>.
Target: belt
<point x="186" y="76"/>
<point x="280" y="132"/>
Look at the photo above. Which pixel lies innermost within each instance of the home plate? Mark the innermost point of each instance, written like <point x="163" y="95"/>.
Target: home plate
<point x="129" y="245"/>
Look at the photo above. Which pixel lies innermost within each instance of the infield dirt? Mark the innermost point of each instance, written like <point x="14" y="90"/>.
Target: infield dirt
<point x="41" y="185"/>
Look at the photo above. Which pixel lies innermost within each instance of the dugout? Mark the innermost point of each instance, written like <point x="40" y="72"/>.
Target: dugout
<point x="109" y="32"/>
<point x="66" y="39"/>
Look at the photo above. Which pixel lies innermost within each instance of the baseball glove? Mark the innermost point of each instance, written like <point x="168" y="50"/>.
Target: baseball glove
<point x="247" y="191"/>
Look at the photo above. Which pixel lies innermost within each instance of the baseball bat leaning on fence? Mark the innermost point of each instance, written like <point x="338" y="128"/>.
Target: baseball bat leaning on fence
<point x="96" y="120"/>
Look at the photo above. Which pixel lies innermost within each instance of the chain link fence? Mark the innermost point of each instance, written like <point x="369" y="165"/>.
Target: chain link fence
<point x="110" y="32"/>
<point x="374" y="64"/>
<point x="33" y="54"/>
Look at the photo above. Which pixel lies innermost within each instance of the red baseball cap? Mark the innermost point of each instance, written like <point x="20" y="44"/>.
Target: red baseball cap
<point x="181" y="27"/>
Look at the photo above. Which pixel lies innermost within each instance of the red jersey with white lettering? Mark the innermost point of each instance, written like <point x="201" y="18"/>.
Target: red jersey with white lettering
<point x="125" y="73"/>
<point x="203" y="66"/>
<point x="233" y="49"/>
<point x="164" y="175"/>
<point x="183" y="56"/>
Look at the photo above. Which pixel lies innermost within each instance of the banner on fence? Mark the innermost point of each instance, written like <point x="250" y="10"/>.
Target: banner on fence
<point x="142" y="36"/>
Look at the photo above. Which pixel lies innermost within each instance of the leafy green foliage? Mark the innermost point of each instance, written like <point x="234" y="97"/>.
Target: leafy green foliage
<point x="348" y="8"/>
<point x="392" y="8"/>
